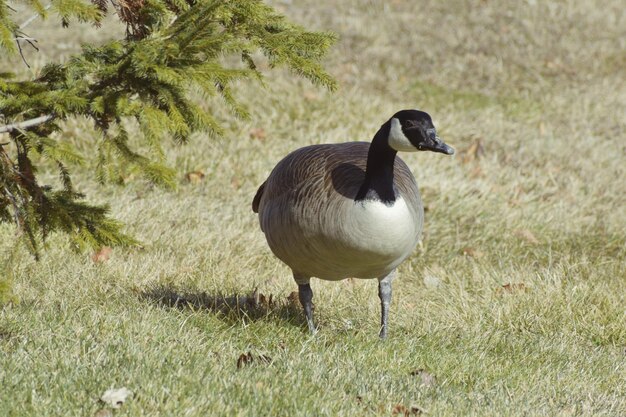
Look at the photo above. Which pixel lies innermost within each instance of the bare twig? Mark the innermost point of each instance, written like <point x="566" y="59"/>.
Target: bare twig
<point x="26" y="123"/>
<point x="29" y="40"/>
<point x="25" y="38"/>
<point x="19" y="47"/>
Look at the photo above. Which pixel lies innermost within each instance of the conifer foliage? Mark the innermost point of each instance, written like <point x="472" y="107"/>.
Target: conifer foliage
<point x="171" y="48"/>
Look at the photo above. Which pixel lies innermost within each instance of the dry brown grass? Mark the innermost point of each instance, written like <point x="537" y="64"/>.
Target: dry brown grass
<point x="539" y="85"/>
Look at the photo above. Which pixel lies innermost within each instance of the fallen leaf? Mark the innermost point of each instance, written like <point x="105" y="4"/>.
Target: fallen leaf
<point x="258" y="133"/>
<point x="244" y="359"/>
<point x="266" y="302"/>
<point x="527" y="235"/>
<point x="403" y="410"/>
<point x="426" y="378"/>
<point x="310" y="96"/>
<point x="514" y="202"/>
<point x="431" y="281"/>
<point x="248" y="358"/>
<point x="476" y="172"/>
<point x="359" y="399"/>
<point x="102" y="255"/>
<point x="194" y="177"/>
<point x="235" y="182"/>
<point x="103" y="413"/>
<point x="474" y="152"/>
<point x="115" y="397"/>
<point x="416" y="411"/>
<point x="400" y="409"/>
<point x="293" y="299"/>
<point x="472" y="252"/>
<point x="432" y="276"/>
<point x="511" y="288"/>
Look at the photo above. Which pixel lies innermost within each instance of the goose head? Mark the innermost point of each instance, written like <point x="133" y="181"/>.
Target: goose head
<point x="413" y="130"/>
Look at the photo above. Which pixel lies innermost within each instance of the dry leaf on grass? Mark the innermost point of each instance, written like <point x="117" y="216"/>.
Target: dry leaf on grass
<point x="426" y="378"/>
<point x="433" y="276"/>
<point x="293" y="299"/>
<point x="235" y="182"/>
<point x="310" y="96"/>
<point x="266" y="302"/>
<point x="194" y="177"/>
<point x="400" y="409"/>
<point x="512" y="288"/>
<point x="258" y="133"/>
<point x="431" y="281"/>
<point x="527" y="235"/>
<point x="257" y="300"/>
<point x="472" y="252"/>
<point x="103" y="413"/>
<point x="246" y="359"/>
<point x="476" y="172"/>
<point x="102" y="255"/>
<point x="474" y="152"/>
<point x="115" y="397"/>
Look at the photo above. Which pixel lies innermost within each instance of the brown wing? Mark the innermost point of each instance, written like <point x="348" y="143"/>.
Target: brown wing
<point x="315" y="172"/>
<point x="307" y="173"/>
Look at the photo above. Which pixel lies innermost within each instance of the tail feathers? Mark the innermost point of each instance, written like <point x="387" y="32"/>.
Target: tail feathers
<point x="257" y="198"/>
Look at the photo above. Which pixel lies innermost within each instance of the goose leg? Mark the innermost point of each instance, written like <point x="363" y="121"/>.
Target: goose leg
<point x="305" y="294"/>
<point x="384" y="293"/>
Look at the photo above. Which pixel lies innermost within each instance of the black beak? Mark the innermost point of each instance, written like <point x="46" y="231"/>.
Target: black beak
<point x="436" y="145"/>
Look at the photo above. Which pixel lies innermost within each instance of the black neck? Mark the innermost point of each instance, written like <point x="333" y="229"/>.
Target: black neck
<point x="378" y="184"/>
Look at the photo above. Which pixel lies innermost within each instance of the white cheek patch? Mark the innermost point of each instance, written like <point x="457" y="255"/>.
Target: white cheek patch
<point x="397" y="139"/>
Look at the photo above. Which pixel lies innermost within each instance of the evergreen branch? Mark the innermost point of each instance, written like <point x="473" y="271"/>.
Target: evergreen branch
<point x="175" y="57"/>
<point x="15" y="208"/>
<point x="26" y="124"/>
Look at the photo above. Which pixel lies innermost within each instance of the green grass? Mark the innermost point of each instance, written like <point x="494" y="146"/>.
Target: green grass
<point x="514" y="303"/>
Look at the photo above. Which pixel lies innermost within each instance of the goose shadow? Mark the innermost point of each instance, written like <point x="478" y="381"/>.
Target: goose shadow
<point x="346" y="179"/>
<point x="231" y="308"/>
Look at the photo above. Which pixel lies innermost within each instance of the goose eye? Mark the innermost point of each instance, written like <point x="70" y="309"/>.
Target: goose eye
<point x="411" y="124"/>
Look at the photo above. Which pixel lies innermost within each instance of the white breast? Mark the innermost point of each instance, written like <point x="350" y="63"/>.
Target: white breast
<point x="342" y="238"/>
<point x="381" y="229"/>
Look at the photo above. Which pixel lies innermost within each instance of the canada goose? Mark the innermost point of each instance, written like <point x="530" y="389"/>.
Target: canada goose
<point x="348" y="210"/>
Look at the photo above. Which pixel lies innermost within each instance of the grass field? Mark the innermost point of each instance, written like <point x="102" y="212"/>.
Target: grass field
<point x="515" y="304"/>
